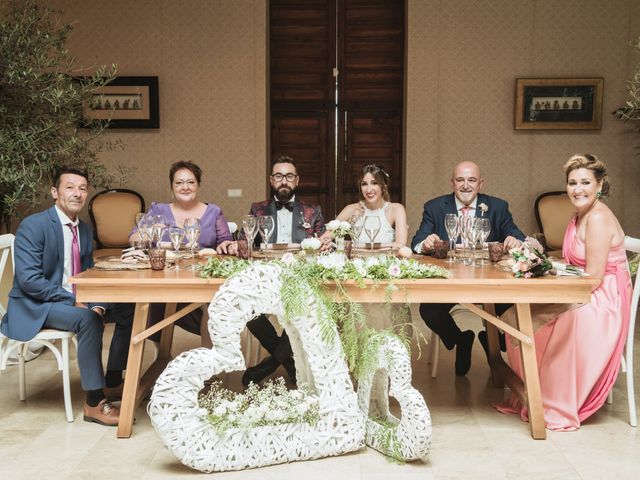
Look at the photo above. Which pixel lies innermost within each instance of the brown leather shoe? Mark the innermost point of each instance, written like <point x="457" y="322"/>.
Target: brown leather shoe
<point x="104" y="413"/>
<point x="113" y="394"/>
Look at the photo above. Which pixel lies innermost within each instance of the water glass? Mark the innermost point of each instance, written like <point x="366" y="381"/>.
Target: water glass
<point x="484" y="229"/>
<point x="265" y="226"/>
<point x="176" y="235"/>
<point x="496" y="249"/>
<point x="157" y="258"/>
<point x="192" y="234"/>
<point x="440" y="249"/>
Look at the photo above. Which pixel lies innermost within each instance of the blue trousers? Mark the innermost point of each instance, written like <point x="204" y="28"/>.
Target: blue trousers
<point x="88" y="327"/>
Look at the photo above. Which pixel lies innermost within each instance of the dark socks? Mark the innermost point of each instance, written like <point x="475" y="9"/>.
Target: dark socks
<point x="94" y="397"/>
<point x="113" y="378"/>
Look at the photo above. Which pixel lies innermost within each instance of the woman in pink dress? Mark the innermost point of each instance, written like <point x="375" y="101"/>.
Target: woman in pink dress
<point x="579" y="346"/>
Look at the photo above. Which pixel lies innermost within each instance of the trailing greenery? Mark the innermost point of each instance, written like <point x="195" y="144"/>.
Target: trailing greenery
<point x="41" y="108"/>
<point x="631" y="111"/>
<point x="300" y="279"/>
<point x="388" y="439"/>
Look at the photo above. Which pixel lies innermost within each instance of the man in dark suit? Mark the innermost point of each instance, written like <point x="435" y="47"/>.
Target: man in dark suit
<point x="50" y="247"/>
<point x="465" y="200"/>
<point x="294" y="221"/>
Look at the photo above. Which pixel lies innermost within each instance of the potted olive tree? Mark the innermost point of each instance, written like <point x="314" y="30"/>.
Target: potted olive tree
<point x="42" y="91"/>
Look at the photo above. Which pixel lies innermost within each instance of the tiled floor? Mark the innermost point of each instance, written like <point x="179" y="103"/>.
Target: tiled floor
<point x="470" y="439"/>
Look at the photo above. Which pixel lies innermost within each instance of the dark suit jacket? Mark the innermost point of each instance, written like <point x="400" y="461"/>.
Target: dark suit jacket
<point x="39" y="267"/>
<point x="502" y="224"/>
<point x="307" y="220"/>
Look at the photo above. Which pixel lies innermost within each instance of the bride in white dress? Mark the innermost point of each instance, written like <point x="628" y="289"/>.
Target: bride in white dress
<point x="375" y="202"/>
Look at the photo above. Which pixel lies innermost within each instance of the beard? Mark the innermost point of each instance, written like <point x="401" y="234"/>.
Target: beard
<point x="283" y="193"/>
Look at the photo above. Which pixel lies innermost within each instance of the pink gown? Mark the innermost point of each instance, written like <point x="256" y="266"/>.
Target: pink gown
<point x="579" y="350"/>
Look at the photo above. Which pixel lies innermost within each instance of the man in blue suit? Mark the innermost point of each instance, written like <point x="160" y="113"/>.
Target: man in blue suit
<point x="50" y="247"/>
<point x="465" y="200"/>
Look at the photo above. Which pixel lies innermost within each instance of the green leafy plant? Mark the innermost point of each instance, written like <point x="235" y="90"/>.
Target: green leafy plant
<point x="41" y="101"/>
<point x="631" y="110"/>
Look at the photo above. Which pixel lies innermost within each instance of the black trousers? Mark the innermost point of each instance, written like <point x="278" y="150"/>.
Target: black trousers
<point x="189" y="322"/>
<point x="279" y="347"/>
<point x="438" y="319"/>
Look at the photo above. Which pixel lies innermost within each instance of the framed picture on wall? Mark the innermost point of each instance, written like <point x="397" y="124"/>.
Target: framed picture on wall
<point x="558" y="103"/>
<point x="127" y="102"/>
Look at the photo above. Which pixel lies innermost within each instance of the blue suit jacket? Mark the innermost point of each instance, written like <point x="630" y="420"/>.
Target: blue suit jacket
<point x="502" y="224"/>
<point x="39" y="267"/>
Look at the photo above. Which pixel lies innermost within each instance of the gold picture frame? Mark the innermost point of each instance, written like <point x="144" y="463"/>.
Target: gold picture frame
<point x="559" y="103"/>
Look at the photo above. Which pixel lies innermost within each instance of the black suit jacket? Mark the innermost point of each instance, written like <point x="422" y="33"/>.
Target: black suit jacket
<point x="502" y="224"/>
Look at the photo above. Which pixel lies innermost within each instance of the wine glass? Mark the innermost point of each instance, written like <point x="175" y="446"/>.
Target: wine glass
<point x="158" y="227"/>
<point x="484" y="229"/>
<point x="371" y="228"/>
<point x="176" y="235"/>
<point x="472" y="233"/>
<point x="266" y="226"/>
<point x="192" y="234"/>
<point x="451" y="226"/>
<point x="250" y="228"/>
<point x="357" y="223"/>
<point x="145" y="230"/>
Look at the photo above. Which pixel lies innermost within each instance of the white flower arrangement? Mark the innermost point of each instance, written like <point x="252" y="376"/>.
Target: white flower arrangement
<point x="257" y="407"/>
<point x="310" y="244"/>
<point x="483" y="208"/>
<point x="339" y="228"/>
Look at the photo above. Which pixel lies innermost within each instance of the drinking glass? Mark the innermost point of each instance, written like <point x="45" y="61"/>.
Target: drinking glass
<point x="250" y="228"/>
<point x="371" y="228"/>
<point x="472" y="239"/>
<point x="145" y="227"/>
<point x="266" y="226"/>
<point x="158" y="227"/>
<point x="357" y="223"/>
<point x="192" y="234"/>
<point x="484" y="229"/>
<point x="451" y="225"/>
<point x="176" y="234"/>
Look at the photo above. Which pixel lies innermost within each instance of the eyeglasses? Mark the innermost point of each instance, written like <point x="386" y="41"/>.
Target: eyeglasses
<point x="289" y="176"/>
<point x="183" y="183"/>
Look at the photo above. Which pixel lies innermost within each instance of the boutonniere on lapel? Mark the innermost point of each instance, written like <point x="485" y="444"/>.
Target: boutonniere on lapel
<point x="483" y="209"/>
<point x="304" y="222"/>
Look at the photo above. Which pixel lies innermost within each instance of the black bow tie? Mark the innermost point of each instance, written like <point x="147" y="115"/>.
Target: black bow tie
<point x="288" y="205"/>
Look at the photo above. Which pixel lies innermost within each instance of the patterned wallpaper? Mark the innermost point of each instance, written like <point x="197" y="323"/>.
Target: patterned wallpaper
<point x="463" y="58"/>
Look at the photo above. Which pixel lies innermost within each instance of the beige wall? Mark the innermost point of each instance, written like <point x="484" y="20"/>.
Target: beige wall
<point x="463" y="57"/>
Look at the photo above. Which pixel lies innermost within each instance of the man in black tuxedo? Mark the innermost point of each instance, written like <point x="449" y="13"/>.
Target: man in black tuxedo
<point x="466" y="182"/>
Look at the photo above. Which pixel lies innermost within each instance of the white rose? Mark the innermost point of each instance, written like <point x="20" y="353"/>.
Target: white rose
<point x="333" y="225"/>
<point x="345" y="225"/>
<point x="310" y="243"/>
<point x="288" y="258"/>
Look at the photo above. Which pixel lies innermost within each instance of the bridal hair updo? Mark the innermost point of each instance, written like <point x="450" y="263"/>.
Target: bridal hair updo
<point x="380" y="176"/>
<point x="590" y="162"/>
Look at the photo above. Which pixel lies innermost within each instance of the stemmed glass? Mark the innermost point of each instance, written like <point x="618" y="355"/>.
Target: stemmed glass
<point x="158" y="227"/>
<point x="472" y="238"/>
<point x="484" y="229"/>
<point x="357" y="223"/>
<point x="266" y="226"/>
<point x="371" y="228"/>
<point x="451" y="225"/>
<point x="250" y="228"/>
<point x="192" y="233"/>
<point x="176" y="234"/>
<point x="145" y="227"/>
<point x="464" y="225"/>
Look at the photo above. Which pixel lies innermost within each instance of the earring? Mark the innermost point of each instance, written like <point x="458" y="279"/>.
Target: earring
<point x="598" y="194"/>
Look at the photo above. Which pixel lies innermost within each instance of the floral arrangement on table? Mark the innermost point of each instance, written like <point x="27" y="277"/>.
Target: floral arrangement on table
<point x="310" y="246"/>
<point x="339" y="228"/>
<point x="273" y="404"/>
<point x="529" y="259"/>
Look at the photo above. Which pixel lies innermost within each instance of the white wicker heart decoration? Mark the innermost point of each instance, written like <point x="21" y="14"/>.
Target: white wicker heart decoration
<point x="410" y="437"/>
<point x="182" y="424"/>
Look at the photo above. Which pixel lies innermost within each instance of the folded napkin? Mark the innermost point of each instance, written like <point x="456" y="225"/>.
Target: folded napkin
<point x="133" y="256"/>
<point x="207" y="252"/>
<point x="560" y="269"/>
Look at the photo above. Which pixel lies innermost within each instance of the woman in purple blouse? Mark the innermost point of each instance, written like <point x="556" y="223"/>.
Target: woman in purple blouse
<point x="184" y="178"/>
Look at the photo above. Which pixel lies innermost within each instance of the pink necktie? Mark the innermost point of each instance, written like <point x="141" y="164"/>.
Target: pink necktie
<point x="75" y="253"/>
<point x="465" y="211"/>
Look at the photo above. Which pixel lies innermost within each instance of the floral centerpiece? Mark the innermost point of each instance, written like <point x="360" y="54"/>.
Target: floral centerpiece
<point x="340" y="231"/>
<point x="529" y="259"/>
<point x="273" y="404"/>
<point x="310" y="246"/>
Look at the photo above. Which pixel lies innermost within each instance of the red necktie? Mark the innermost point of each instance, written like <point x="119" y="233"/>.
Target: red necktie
<point x="465" y="211"/>
<point x="75" y="253"/>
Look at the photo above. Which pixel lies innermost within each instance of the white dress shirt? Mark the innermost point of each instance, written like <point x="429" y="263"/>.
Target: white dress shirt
<point x="285" y="224"/>
<point x="67" y="235"/>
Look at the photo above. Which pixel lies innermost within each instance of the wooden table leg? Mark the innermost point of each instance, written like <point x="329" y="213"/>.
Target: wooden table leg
<point x="494" y="348"/>
<point x="132" y="376"/>
<point x="531" y="376"/>
<point x="166" y="338"/>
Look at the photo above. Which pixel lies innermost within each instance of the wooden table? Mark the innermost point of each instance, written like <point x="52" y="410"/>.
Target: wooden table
<point x="468" y="286"/>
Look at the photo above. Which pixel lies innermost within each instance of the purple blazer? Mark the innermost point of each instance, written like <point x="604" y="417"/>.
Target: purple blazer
<point x="213" y="226"/>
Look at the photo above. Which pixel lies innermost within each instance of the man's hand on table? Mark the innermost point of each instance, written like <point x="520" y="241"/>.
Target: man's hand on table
<point x="228" y="247"/>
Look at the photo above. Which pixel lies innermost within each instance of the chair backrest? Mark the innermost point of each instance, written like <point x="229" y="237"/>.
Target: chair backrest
<point x="113" y="215"/>
<point x="633" y="245"/>
<point x="6" y="269"/>
<point x="553" y="212"/>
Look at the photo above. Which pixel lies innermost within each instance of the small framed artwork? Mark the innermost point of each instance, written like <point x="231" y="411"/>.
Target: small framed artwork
<point x="558" y="103"/>
<point x="127" y="102"/>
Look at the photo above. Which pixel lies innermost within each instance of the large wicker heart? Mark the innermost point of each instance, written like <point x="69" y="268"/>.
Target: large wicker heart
<point x="409" y="437"/>
<point x="183" y="426"/>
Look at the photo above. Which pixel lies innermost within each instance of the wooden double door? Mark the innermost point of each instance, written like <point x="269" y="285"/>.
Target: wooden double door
<point x="337" y="93"/>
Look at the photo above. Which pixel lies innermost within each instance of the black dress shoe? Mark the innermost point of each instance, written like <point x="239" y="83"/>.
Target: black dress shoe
<point x="484" y="341"/>
<point x="463" y="352"/>
<point x="259" y="372"/>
